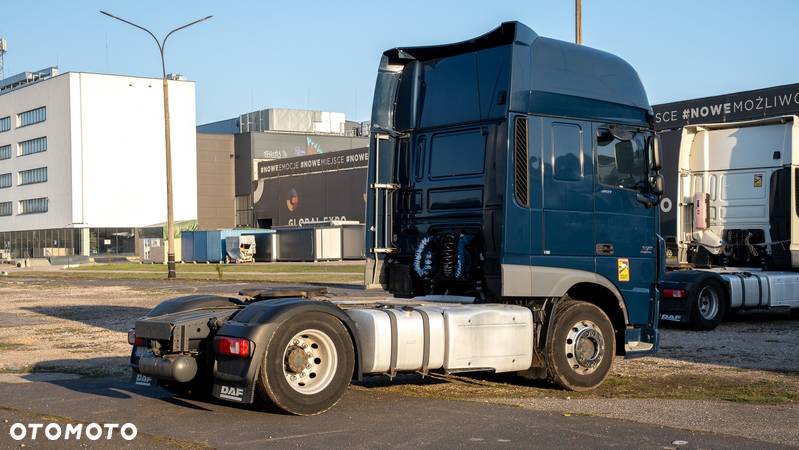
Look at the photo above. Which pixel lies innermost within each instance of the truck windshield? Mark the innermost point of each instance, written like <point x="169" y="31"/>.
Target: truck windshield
<point x="621" y="163"/>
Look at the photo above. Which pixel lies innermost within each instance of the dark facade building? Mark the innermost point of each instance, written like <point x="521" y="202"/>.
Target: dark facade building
<point x="234" y="193"/>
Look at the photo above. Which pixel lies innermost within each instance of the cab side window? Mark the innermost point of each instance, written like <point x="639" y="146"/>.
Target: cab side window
<point x="621" y="163"/>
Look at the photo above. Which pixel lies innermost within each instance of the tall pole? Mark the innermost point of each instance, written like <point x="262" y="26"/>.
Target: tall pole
<point x="578" y="22"/>
<point x="170" y="216"/>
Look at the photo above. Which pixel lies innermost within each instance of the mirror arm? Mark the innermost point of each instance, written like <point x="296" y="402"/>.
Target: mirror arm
<point x="647" y="200"/>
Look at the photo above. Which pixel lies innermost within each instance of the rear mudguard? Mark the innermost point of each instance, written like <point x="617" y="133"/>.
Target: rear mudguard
<point x="680" y="310"/>
<point x="234" y="378"/>
<point x="190" y="302"/>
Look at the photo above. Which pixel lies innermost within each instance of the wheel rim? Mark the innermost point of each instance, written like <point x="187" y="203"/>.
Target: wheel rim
<point x="585" y="347"/>
<point x="310" y="361"/>
<point x="708" y="303"/>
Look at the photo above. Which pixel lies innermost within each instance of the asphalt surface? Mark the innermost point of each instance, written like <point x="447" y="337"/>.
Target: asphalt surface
<point x="361" y="420"/>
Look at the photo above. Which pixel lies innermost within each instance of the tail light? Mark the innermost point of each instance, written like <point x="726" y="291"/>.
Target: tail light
<point x="675" y="293"/>
<point x="133" y="340"/>
<point x="229" y="346"/>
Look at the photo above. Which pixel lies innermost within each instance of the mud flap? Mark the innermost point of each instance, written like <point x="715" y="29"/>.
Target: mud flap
<point x="234" y="392"/>
<point x="138" y="379"/>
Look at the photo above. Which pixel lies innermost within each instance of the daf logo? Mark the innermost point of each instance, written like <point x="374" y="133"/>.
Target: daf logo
<point x="231" y="393"/>
<point x="143" y="380"/>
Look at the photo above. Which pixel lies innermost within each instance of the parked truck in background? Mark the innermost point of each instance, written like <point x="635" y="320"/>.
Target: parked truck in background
<point x="737" y="221"/>
<point x="512" y="213"/>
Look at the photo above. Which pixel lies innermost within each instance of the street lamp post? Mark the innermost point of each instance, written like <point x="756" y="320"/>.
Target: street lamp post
<point x="170" y="219"/>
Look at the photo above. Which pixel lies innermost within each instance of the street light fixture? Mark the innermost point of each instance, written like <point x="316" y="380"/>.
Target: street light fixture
<point x="170" y="219"/>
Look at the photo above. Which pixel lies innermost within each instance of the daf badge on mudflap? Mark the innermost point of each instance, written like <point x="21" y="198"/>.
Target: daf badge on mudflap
<point x="143" y="380"/>
<point x="231" y="393"/>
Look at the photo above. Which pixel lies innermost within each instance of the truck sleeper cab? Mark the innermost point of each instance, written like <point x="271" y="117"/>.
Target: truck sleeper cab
<point x="511" y="212"/>
<point x="737" y="222"/>
<point x="517" y="169"/>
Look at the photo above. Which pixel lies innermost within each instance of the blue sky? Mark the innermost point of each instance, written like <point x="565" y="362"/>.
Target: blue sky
<point x="324" y="54"/>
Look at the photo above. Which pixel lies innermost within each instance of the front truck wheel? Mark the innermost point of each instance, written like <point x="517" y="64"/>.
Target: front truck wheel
<point x="308" y="365"/>
<point x="579" y="353"/>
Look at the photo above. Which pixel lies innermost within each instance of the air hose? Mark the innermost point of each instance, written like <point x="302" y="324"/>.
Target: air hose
<point x="424" y="260"/>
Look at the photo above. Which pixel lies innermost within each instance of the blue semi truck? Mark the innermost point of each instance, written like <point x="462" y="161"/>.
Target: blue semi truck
<point x="511" y="213"/>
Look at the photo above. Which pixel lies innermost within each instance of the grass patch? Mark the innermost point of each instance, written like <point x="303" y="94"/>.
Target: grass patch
<point x="488" y="387"/>
<point x="57" y="331"/>
<point x="703" y="387"/>
<point x="321" y="267"/>
<point x="9" y="346"/>
<point x="211" y="275"/>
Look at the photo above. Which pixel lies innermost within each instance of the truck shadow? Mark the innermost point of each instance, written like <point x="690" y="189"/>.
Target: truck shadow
<point x="110" y="317"/>
<point x="110" y="378"/>
<point x="102" y="377"/>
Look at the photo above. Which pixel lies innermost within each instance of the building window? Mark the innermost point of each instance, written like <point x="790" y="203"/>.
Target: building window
<point x="38" y="175"/>
<point x="5" y="209"/>
<point x="5" y="152"/>
<point x="32" y="146"/>
<point x="5" y="124"/>
<point x="30" y="117"/>
<point x="5" y="180"/>
<point x="33" y="206"/>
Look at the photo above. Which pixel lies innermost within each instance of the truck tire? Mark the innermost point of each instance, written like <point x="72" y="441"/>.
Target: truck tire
<point x="709" y="306"/>
<point x="308" y="365"/>
<point x="580" y="350"/>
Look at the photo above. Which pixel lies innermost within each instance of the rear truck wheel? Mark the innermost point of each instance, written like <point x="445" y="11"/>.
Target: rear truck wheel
<point x="579" y="353"/>
<point x="308" y="365"/>
<point x="709" y="306"/>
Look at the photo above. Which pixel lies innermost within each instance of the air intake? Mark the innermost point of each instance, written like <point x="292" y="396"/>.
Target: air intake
<point x="520" y="163"/>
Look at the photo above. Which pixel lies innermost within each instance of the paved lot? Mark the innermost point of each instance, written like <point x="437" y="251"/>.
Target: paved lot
<point x="361" y="420"/>
<point x="728" y="386"/>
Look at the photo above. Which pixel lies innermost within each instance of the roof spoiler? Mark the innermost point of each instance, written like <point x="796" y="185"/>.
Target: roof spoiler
<point x="506" y="33"/>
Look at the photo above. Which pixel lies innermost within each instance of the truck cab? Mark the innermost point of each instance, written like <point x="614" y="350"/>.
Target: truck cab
<point x="517" y="169"/>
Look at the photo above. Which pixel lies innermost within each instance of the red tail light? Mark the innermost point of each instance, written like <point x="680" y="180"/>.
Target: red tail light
<point x="133" y="340"/>
<point x="229" y="346"/>
<point x="675" y="293"/>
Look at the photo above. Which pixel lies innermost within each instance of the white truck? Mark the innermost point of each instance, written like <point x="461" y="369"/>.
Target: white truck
<point x="737" y="221"/>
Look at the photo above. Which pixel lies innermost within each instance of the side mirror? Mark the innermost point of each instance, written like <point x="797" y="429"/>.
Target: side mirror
<point x="657" y="185"/>
<point x="655" y="156"/>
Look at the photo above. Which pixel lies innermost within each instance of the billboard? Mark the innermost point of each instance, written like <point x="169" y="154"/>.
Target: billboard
<point x="748" y="105"/>
<point x="293" y="191"/>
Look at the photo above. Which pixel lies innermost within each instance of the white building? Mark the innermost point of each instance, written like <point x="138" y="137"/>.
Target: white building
<point x="82" y="161"/>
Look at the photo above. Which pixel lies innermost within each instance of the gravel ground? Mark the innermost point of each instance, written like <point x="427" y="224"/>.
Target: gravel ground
<point x="79" y="327"/>
<point x="769" y="423"/>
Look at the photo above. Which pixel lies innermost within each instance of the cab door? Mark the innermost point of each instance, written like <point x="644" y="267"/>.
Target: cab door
<point x="568" y="206"/>
<point x="625" y="240"/>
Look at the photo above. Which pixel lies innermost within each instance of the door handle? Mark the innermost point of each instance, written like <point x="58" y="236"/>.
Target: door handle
<point x="604" y="249"/>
